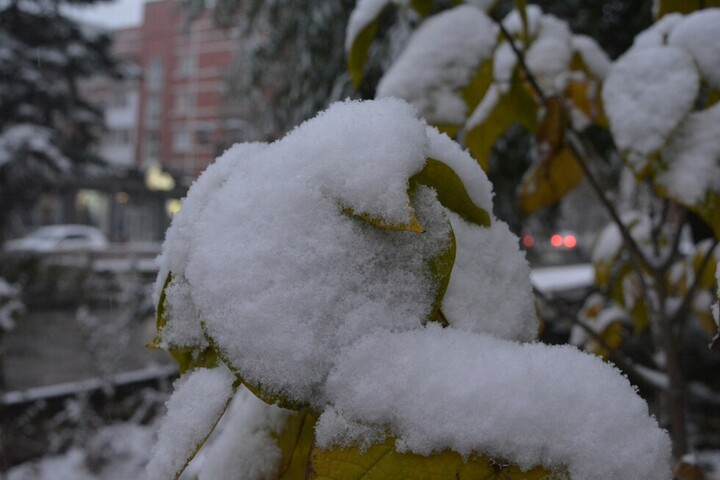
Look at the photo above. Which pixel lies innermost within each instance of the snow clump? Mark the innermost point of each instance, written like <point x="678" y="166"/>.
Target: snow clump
<point x="304" y="266"/>
<point x="441" y="56"/>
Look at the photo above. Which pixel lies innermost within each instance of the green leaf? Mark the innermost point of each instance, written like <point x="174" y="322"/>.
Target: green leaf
<point x="360" y="47"/>
<point x="383" y="462"/>
<point x="423" y="7"/>
<point x="295" y="443"/>
<point x="161" y="313"/>
<point x="515" y="106"/>
<point x="547" y="181"/>
<point x="521" y="7"/>
<point x="479" y="84"/>
<point x="187" y="358"/>
<point x="441" y="268"/>
<point x="664" y="7"/>
<point x="450" y="190"/>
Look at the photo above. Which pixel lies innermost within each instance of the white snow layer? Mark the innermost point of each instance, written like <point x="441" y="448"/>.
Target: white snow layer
<point x="246" y="446"/>
<point x="196" y="404"/>
<point x="594" y="57"/>
<point x="550" y="54"/>
<point x="692" y="157"/>
<point x="646" y="95"/>
<point x="284" y="278"/>
<point x="699" y="34"/>
<point x="490" y="271"/>
<point x="294" y="289"/>
<point x="531" y="404"/>
<point x="440" y="58"/>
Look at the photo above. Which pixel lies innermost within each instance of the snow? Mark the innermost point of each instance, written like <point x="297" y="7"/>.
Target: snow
<point x="595" y="58"/>
<point x="293" y="260"/>
<point x="245" y="445"/>
<point x="550" y="54"/>
<point x="440" y="58"/>
<point x="530" y="404"/>
<point x="279" y="272"/>
<point x="114" y="452"/>
<point x="484" y="108"/>
<point x="657" y="34"/>
<point x="699" y="34"/>
<point x="193" y="409"/>
<point x="19" y="140"/>
<point x="490" y="270"/>
<point x="692" y="157"/>
<point x="641" y="112"/>
<point x="513" y="21"/>
<point x="365" y="12"/>
<point x="560" y="278"/>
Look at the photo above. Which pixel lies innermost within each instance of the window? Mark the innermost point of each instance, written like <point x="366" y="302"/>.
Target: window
<point x="155" y="74"/>
<point x="184" y="103"/>
<point x="153" y="109"/>
<point x="181" y="141"/>
<point x="151" y="146"/>
<point x="186" y="66"/>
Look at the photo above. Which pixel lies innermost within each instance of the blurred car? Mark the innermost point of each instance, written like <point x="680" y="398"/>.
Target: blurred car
<point x="562" y="247"/>
<point x="59" y="238"/>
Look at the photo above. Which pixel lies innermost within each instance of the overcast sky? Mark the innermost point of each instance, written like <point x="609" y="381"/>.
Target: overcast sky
<point x="115" y="14"/>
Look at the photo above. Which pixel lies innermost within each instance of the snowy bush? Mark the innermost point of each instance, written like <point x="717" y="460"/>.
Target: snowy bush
<point x="352" y="274"/>
<point x="474" y="77"/>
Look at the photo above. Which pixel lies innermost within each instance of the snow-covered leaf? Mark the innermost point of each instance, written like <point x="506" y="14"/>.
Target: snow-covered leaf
<point x="361" y="30"/>
<point x="193" y="410"/>
<point x="443" y="59"/>
<point x="497" y="112"/>
<point x="450" y="191"/>
<point x="635" y="94"/>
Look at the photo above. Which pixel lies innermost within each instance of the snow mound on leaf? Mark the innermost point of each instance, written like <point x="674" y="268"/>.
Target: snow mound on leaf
<point x="692" y="157"/>
<point x="278" y="249"/>
<point x="635" y="94"/>
<point x="441" y="56"/>
<point x="490" y="270"/>
<point x="699" y="34"/>
<point x="193" y="409"/>
<point x="530" y="404"/>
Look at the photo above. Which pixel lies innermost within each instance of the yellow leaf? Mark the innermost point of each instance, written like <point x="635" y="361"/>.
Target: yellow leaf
<point x="383" y="462"/>
<point x="360" y="47"/>
<point x="413" y="226"/>
<point x="295" y="443"/>
<point x="423" y="7"/>
<point x="682" y="6"/>
<point x="441" y="268"/>
<point x="478" y="86"/>
<point x="550" y="134"/>
<point x="160" y="313"/>
<point x="712" y="98"/>
<point x="450" y="191"/>
<point x="547" y="181"/>
<point x="505" y="109"/>
<point x="613" y="336"/>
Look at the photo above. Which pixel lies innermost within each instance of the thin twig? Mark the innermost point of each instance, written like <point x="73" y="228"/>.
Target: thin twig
<point x="690" y="295"/>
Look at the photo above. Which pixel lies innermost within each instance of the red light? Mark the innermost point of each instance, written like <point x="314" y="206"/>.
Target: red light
<point x="570" y="241"/>
<point x="528" y="241"/>
<point x="556" y="241"/>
